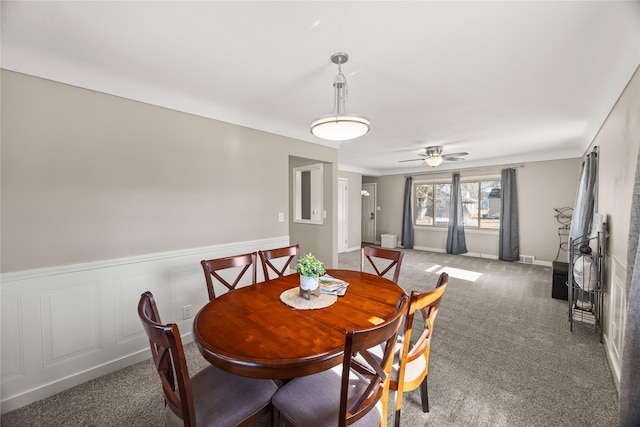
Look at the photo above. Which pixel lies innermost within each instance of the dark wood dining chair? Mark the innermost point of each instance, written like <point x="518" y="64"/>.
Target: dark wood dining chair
<point x="378" y="258"/>
<point x="212" y="396"/>
<point x="411" y="366"/>
<point x="348" y="393"/>
<point x="242" y="264"/>
<point x="289" y="253"/>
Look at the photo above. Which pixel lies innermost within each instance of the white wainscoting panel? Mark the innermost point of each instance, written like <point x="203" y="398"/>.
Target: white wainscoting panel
<point x="70" y="322"/>
<point x="62" y="326"/>
<point x="616" y="317"/>
<point x="128" y="290"/>
<point x="11" y="338"/>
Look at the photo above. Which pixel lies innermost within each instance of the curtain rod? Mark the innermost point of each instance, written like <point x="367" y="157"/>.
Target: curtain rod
<point x="480" y="168"/>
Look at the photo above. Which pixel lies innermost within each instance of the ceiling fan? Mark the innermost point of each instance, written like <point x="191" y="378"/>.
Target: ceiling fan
<point x="433" y="156"/>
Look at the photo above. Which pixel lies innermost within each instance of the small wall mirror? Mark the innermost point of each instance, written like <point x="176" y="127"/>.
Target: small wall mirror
<point x="307" y="193"/>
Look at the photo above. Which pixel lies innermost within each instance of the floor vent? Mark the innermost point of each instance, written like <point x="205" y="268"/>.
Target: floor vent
<point x="527" y="259"/>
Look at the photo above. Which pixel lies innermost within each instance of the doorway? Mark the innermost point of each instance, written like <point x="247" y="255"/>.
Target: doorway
<point x="369" y="213"/>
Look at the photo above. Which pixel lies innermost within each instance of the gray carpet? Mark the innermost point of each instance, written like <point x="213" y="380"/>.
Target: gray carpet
<point x="502" y="355"/>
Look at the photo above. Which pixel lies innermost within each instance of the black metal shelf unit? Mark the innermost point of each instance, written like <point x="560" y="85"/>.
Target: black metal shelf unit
<point x="586" y="279"/>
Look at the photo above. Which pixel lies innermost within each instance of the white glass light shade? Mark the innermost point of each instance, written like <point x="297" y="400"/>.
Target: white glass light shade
<point x="433" y="161"/>
<point x="340" y="125"/>
<point x="340" y="128"/>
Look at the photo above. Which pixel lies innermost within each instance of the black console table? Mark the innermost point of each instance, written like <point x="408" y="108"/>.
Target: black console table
<point x="559" y="289"/>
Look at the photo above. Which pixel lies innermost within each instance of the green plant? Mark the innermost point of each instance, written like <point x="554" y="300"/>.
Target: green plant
<point x="309" y="266"/>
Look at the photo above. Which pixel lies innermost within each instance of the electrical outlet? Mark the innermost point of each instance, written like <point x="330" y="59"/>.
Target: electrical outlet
<point x="186" y="312"/>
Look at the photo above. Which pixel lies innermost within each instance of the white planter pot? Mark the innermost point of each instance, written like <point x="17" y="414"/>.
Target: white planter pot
<point x="308" y="283"/>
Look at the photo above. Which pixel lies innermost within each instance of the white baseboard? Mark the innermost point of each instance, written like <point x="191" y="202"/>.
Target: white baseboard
<point x="62" y="326"/>
<point x="480" y="255"/>
<point x="613" y="363"/>
<point x="470" y="254"/>
<point x="43" y="391"/>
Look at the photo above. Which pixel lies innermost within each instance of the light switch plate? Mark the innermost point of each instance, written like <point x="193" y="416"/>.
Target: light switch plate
<point x="187" y="311"/>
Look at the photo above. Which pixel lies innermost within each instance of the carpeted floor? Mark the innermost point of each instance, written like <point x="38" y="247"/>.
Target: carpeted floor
<point x="502" y="355"/>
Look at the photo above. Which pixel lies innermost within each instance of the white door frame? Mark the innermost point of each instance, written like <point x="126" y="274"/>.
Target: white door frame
<point x="343" y="215"/>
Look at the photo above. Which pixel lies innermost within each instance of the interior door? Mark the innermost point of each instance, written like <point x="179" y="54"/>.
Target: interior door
<point x="369" y="213"/>
<point x="343" y="217"/>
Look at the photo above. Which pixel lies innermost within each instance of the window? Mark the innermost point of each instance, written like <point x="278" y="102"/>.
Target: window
<point x="480" y="203"/>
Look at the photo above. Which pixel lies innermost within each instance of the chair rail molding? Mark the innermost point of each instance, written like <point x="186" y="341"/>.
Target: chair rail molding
<point x="65" y="325"/>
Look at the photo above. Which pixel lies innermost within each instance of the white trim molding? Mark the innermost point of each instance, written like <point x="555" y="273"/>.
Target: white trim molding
<point x="615" y="306"/>
<point x="62" y="326"/>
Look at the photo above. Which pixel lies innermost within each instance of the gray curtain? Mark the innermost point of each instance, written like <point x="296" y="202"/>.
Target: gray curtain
<point x="455" y="238"/>
<point x="585" y="198"/>
<point x="630" y="368"/>
<point x="509" y="236"/>
<point x="407" y="217"/>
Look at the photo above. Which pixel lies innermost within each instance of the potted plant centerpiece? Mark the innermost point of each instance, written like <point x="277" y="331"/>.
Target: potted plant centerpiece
<point x="310" y="268"/>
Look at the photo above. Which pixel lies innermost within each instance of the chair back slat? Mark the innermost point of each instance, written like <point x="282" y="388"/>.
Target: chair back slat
<point x="212" y="267"/>
<point x="375" y="255"/>
<point x="266" y="256"/>
<point x="169" y="359"/>
<point x="426" y="303"/>
<point x="375" y="370"/>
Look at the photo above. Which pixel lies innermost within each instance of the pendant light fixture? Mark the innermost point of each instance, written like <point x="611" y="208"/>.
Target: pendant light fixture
<point x="340" y="125"/>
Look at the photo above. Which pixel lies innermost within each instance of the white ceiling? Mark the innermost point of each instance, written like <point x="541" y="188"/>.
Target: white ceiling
<point x="507" y="82"/>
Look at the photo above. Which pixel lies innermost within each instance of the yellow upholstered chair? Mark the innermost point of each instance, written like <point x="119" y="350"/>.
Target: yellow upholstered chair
<point x="411" y="366"/>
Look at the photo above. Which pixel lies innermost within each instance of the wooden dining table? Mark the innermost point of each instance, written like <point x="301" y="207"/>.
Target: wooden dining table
<point x="251" y="332"/>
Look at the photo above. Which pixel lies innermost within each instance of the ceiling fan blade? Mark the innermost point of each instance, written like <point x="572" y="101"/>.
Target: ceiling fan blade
<point x="408" y="149"/>
<point x="444" y="156"/>
<point x="453" y="159"/>
<point x="411" y="160"/>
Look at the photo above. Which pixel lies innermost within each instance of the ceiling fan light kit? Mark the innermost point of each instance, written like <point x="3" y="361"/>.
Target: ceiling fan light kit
<point x="433" y="156"/>
<point x="433" y="161"/>
<point x="340" y="125"/>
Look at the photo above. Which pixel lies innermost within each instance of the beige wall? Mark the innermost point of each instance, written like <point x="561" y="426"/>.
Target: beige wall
<point x="542" y="186"/>
<point x="390" y="197"/>
<point x="618" y="142"/>
<point x="317" y="238"/>
<point x="88" y="176"/>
